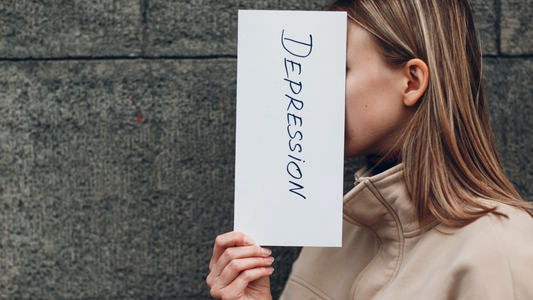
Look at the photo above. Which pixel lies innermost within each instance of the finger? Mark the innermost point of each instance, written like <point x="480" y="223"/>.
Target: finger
<point x="226" y="240"/>
<point x="234" y="268"/>
<point x="235" y="253"/>
<point x="232" y="256"/>
<point x="237" y="288"/>
<point x="243" y="280"/>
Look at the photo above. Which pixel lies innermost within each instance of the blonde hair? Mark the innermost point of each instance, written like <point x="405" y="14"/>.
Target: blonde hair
<point x="449" y="154"/>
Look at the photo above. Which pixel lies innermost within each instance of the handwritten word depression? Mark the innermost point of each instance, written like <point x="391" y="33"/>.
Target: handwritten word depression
<point x="298" y="50"/>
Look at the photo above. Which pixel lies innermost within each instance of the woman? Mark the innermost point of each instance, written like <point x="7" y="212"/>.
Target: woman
<point x="432" y="215"/>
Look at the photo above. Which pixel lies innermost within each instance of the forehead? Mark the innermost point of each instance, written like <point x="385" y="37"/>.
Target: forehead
<point x="360" y="43"/>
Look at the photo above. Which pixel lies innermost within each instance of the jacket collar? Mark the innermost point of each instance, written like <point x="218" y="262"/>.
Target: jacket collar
<point x="381" y="203"/>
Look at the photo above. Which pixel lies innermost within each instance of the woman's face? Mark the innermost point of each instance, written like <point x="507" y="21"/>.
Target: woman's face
<point x="375" y="112"/>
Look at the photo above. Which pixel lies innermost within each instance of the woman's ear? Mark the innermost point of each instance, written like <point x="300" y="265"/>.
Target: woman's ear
<point x="417" y="76"/>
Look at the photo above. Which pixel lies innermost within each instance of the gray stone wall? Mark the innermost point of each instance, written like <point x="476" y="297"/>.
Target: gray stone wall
<point x="117" y="139"/>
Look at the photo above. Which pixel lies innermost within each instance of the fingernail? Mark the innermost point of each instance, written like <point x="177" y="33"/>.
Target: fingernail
<point x="248" y="240"/>
<point x="266" y="252"/>
<point x="270" y="269"/>
<point x="269" y="259"/>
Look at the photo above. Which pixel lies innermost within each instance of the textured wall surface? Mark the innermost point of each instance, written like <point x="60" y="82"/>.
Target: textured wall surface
<point x="117" y="123"/>
<point x="509" y="87"/>
<point x="516" y="27"/>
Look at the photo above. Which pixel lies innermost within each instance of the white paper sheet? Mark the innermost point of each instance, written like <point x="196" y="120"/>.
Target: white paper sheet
<point x="290" y="127"/>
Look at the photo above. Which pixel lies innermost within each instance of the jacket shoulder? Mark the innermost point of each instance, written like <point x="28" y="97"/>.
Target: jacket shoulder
<point x="498" y="251"/>
<point x="514" y="233"/>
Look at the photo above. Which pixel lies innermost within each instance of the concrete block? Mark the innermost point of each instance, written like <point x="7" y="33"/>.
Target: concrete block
<point x="509" y="88"/>
<point x="516" y="27"/>
<point x="115" y="177"/>
<point x="485" y="11"/>
<point x="195" y="28"/>
<point x="70" y="28"/>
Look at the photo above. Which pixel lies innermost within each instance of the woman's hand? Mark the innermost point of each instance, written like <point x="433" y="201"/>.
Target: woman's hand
<point x="239" y="269"/>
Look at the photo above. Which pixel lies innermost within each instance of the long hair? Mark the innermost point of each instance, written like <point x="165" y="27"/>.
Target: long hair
<point x="450" y="159"/>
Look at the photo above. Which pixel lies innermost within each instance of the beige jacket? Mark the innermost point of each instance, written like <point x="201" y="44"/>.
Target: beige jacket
<point x="386" y="256"/>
